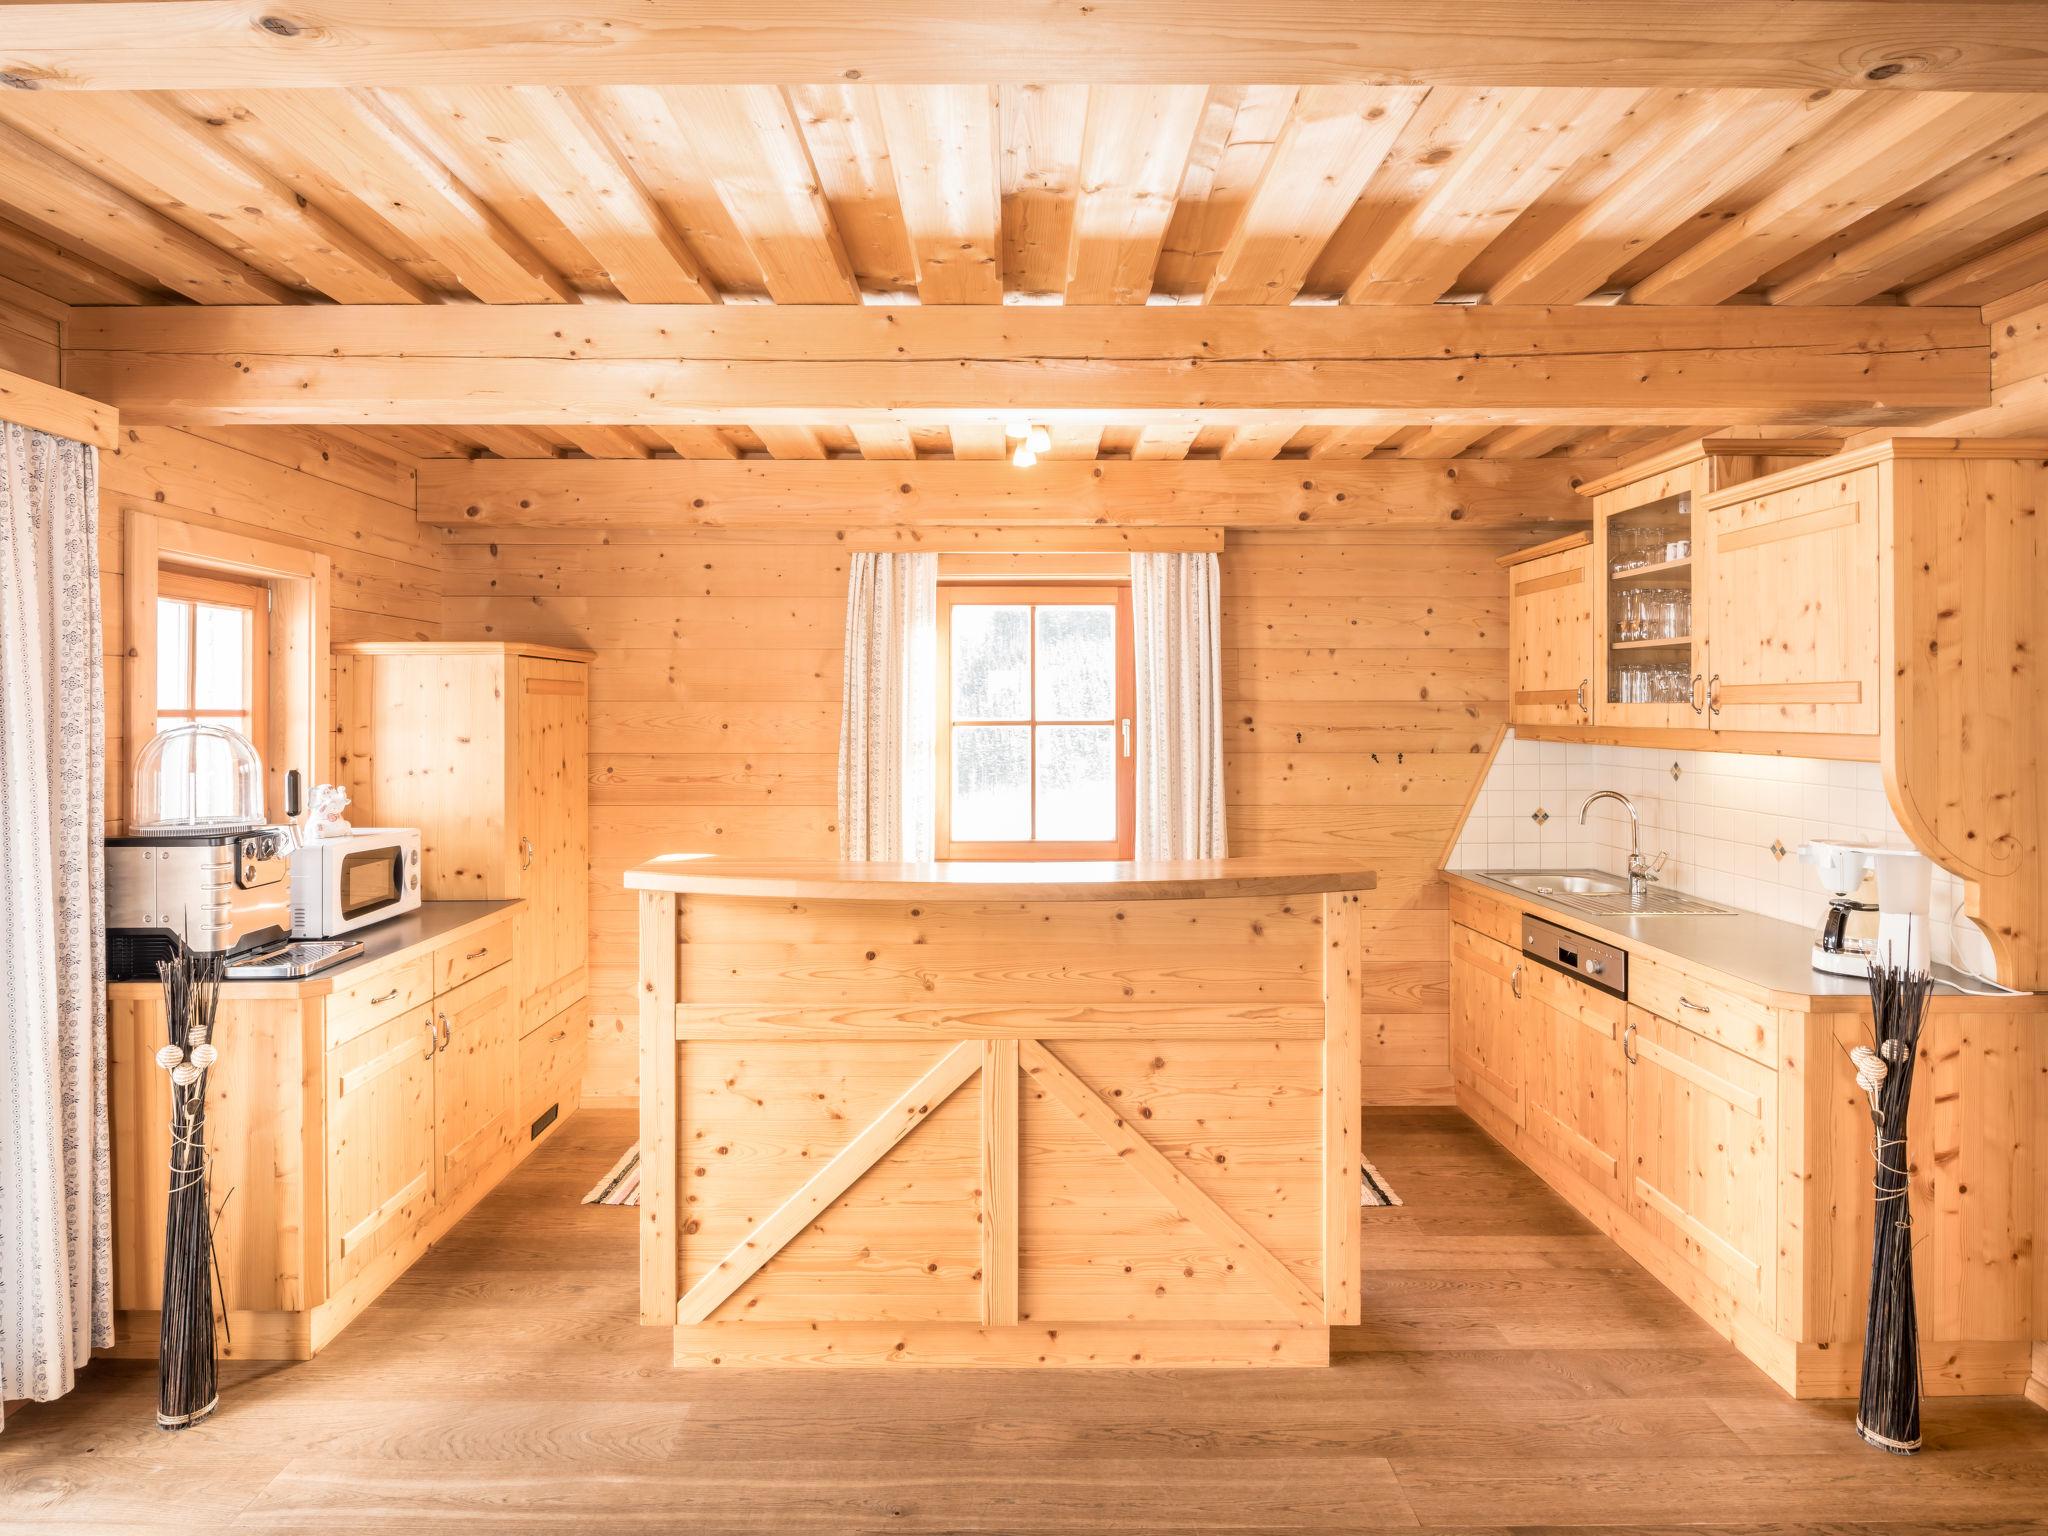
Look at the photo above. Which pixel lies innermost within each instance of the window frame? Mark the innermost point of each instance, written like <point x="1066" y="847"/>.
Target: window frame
<point x="178" y="585"/>
<point x="1104" y="592"/>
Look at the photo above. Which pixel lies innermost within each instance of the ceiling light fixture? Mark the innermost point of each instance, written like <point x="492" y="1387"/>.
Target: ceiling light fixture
<point x="1024" y="457"/>
<point x="1030" y="439"/>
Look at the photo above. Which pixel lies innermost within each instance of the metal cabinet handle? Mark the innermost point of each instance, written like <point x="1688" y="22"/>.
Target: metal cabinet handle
<point x="477" y="954"/>
<point x="1694" y="696"/>
<point x="1686" y="1002"/>
<point x="1714" y="694"/>
<point x="1628" y="1037"/>
<point x="526" y="853"/>
<point x="1515" y="981"/>
<point x="447" y="1034"/>
<point x="385" y="998"/>
<point x="1127" y="738"/>
<point x="1584" y="684"/>
<point x="428" y="1054"/>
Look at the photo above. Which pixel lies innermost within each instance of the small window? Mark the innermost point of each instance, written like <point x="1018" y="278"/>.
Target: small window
<point x="213" y="653"/>
<point x="1035" y="749"/>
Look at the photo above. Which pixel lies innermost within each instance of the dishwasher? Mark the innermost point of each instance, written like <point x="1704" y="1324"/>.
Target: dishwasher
<point x="1591" y="960"/>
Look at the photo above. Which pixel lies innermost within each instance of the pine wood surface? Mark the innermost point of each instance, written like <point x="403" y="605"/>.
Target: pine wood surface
<point x="1514" y="1369"/>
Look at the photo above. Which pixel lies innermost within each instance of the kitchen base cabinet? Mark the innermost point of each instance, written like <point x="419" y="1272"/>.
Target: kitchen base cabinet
<point x="352" y="1120"/>
<point x="550" y="1074"/>
<point x="1574" y="1073"/>
<point x="1715" y="1132"/>
<point x="1702" y="1132"/>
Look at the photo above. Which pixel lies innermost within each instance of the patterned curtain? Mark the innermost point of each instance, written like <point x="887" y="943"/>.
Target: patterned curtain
<point x="889" y="708"/>
<point x="1176" y="611"/>
<point x="56" y="1286"/>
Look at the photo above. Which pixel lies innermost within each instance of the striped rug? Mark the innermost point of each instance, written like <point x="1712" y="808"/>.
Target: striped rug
<point x="1374" y="1190"/>
<point x="622" y="1185"/>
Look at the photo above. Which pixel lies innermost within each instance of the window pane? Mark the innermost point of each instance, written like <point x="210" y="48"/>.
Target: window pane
<point x="991" y="783"/>
<point x="173" y="653"/>
<point x="991" y="662"/>
<point x="1076" y="661"/>
<point x="221" y="647"/>
<point x="1077" y="783"/>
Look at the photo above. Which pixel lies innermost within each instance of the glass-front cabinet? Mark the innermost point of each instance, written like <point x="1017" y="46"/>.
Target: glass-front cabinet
<point x="1650" y="662"/>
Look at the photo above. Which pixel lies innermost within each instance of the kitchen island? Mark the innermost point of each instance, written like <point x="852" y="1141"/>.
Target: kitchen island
<point x="999" y="1114"/>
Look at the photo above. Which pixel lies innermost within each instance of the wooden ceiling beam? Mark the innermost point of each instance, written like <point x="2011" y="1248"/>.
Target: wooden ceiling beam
<point x="1134" y="154"/>
<point x="1333" y="143"/>
<point x="546" y="141"/>
<point x="2010" y="195"/>
<point x="944" y="146"/>
<point x="1880" y="150"/>
<point x="747" y="139"/>
<point x="1533" y="137"/>
<point x="1677" y="166"/>
<point x="1981" y="45"/>
<point x="791" y="442"/>
<point x="1388" y="493"/>
<point x="2016" y="265"/>
<point x="1138" y="366"/>
<point x="63" y="197"/>
<point x="361" y="140"/>
<point x="191" y="171"/>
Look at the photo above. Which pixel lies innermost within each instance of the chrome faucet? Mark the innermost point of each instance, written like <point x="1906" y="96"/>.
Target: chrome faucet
<point x="1641" y="872"/>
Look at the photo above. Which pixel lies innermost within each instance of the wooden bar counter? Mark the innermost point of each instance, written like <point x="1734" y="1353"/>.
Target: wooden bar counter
<point x="999" y="1114"/>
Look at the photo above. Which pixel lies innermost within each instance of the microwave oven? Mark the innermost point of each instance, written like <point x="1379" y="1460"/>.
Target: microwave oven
<point x="340" y="884"/>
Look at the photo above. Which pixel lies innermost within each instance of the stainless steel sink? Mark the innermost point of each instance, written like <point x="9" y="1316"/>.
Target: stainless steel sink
<point x="1605" y="895"/>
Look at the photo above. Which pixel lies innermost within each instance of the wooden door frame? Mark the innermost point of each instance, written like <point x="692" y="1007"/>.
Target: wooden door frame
<point x="300" y="583"/>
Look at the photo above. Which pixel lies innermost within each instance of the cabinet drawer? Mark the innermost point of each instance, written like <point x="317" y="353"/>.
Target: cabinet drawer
<point x="366" y="1004"/>
<point x="1705" y="1007"/>
<point x="482" y="949"/>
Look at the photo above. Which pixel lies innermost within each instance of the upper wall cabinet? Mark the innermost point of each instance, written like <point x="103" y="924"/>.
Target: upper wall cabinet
<point x="484" y="747"/>
<point x="1550" y="634"/>
<point x="1792" y="601"/>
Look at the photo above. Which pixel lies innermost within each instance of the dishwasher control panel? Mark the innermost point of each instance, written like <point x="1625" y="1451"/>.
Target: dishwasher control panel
<point x="1594" y="961"/>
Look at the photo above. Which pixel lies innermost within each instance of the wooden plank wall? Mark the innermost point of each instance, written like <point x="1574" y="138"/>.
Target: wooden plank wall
<point x="291" y="485"/>
<point x="1365" y="675"/>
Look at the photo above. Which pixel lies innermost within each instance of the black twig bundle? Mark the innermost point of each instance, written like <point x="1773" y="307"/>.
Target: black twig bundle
<point x="186" y="1387"/>
<point x="1888" y="1409"/>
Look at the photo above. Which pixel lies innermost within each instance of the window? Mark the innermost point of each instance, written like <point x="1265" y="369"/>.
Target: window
<point x="1035" y="750"/>
<point x="213" y="656"/>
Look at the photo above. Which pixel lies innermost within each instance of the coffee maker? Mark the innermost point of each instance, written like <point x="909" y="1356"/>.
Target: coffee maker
<point x="1892" y="929"/>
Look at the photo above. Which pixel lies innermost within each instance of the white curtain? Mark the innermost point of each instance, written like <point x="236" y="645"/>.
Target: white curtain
<point x="889" y="708"/>
<point x="56" y="1287"/>
<point x="1176" y="611"/>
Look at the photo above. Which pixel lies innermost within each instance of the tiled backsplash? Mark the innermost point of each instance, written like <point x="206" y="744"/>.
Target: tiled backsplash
<point x="1717" y="814"/>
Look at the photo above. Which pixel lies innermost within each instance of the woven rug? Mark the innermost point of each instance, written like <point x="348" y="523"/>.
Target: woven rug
<point x="622" y="1185"/>
<point x="1374" y="1190"/>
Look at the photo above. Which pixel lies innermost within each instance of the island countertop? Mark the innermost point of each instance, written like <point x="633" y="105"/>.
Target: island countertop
<point x="1092" y="880"/>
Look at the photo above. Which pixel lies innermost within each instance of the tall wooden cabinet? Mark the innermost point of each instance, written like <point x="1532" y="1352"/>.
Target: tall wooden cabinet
<point x="485" y="748"/>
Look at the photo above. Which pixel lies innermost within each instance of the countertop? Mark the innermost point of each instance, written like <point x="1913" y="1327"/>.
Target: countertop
<point x="386" y="943"/>
<point x="1094" y="880"/>
<point x="1766" y="955"/>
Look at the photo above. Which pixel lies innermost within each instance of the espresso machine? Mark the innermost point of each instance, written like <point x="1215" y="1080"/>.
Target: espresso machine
<point x="1877" y="909"/>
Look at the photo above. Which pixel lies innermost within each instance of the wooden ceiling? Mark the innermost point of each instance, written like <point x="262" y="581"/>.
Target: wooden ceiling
<point x="1345" y="193"/>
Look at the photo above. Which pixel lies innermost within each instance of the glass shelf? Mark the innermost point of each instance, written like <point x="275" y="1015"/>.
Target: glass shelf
<point x="1671" y="643"/>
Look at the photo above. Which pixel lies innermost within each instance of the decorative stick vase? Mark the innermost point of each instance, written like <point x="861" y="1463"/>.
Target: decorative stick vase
<point x="1888" y="1407"/>
<point x="187" y="1388"/>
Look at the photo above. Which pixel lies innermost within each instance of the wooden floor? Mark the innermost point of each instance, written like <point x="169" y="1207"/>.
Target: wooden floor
<point x="1517" y="1371"/>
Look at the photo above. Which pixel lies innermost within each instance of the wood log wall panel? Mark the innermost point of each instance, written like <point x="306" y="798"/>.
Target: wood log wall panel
<point x="386" y="581"/>
<point x="1367" y="679"/>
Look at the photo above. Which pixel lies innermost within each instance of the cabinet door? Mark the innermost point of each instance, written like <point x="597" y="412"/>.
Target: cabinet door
<point x="554" y="824"/>
<point x="1702" y="1152"/>
<point x="1550" y="639"/>
<point x="1793" y="608"/>
<point x="473" y="1079"/>
<point x="380" y="1140"/>
<point x="1575" y="1076"/>
<point x="1486" y="1021"/>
